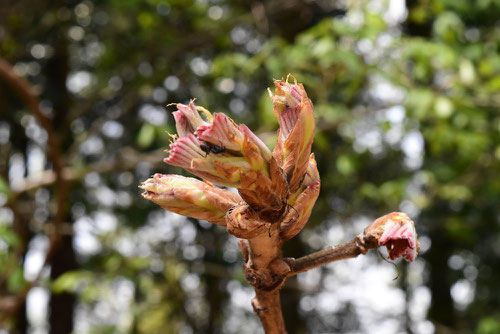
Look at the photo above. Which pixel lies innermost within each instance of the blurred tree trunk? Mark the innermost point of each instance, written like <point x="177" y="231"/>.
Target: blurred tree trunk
<point x="405" y="286"/>
<point x="62" y="305"/>
<point x="216" y="294"/>
<point x="215" y="297"/>
<point x="63" y="260"/>
<point x="22" y="231"/>
<point x="21" y="321"/>
<point x="441" y="311"/>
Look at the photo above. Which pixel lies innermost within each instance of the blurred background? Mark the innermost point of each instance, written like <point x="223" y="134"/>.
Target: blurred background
<point x="407" y="98"/>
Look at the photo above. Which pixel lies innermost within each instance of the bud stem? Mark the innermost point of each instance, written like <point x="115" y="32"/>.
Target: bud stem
<point x="350" y="249"/>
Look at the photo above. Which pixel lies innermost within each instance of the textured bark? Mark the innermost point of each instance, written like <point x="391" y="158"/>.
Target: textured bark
<point x="264" y="272"/>
<point x="267" y="306"/>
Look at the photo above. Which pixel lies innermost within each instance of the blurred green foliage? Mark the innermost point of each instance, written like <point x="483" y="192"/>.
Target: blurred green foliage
<point x="407" y="103"/>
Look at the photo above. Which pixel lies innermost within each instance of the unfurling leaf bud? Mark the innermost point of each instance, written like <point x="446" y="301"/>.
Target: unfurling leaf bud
<point x="189" y="197"/>
<point x="277" y="185"/>
<point x="216" y="149"/>
<point x="294" y="111"/>
<point x="397" y="232"/>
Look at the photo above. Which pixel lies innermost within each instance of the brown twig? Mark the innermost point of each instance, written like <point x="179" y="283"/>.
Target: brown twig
<point x="267" y="272"/>
<point x="350" y="249"/>
<point x="29" y="97"/>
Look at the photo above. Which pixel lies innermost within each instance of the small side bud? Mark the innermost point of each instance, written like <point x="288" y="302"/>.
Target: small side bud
<point x="397" y="232"/>
<point x="189" y="197"/>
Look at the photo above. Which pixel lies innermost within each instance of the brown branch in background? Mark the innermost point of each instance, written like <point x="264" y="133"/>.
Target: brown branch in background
<point x="29" y="98"/>
<point x="126" y="159"/>
<point x="260" y="17"/>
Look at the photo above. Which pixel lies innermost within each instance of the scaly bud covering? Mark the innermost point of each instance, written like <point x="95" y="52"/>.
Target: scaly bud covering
<point x="189" y="197"/>
<point x="243" y="222"/>
<point x="397" y="232"/>
<point x="302" y="202"/>
<point x="294" y="111"/>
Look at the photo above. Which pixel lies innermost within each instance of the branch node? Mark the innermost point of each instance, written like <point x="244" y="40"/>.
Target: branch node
<point x="257" y="307"/>
<point x="279" y="267"/>
<point x="360" y="243"/>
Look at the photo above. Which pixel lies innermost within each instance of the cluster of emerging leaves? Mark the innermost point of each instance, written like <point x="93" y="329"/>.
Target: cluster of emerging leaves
<point x="437" y="156"/>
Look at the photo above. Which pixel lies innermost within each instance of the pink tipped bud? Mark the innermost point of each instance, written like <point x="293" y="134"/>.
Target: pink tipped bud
<point x="294" y="111"/>
<point x="222" y="131"/>
<point x="218" y="150"/>
<point x="189" y="118"/>
<point x="286" y="105"/>
<point x="184" y="128"/>
<point x="189" y="197"/>
<point x="263" y="149"/>
<point x="184" y="150"/>
<point x="397" y="232"/>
